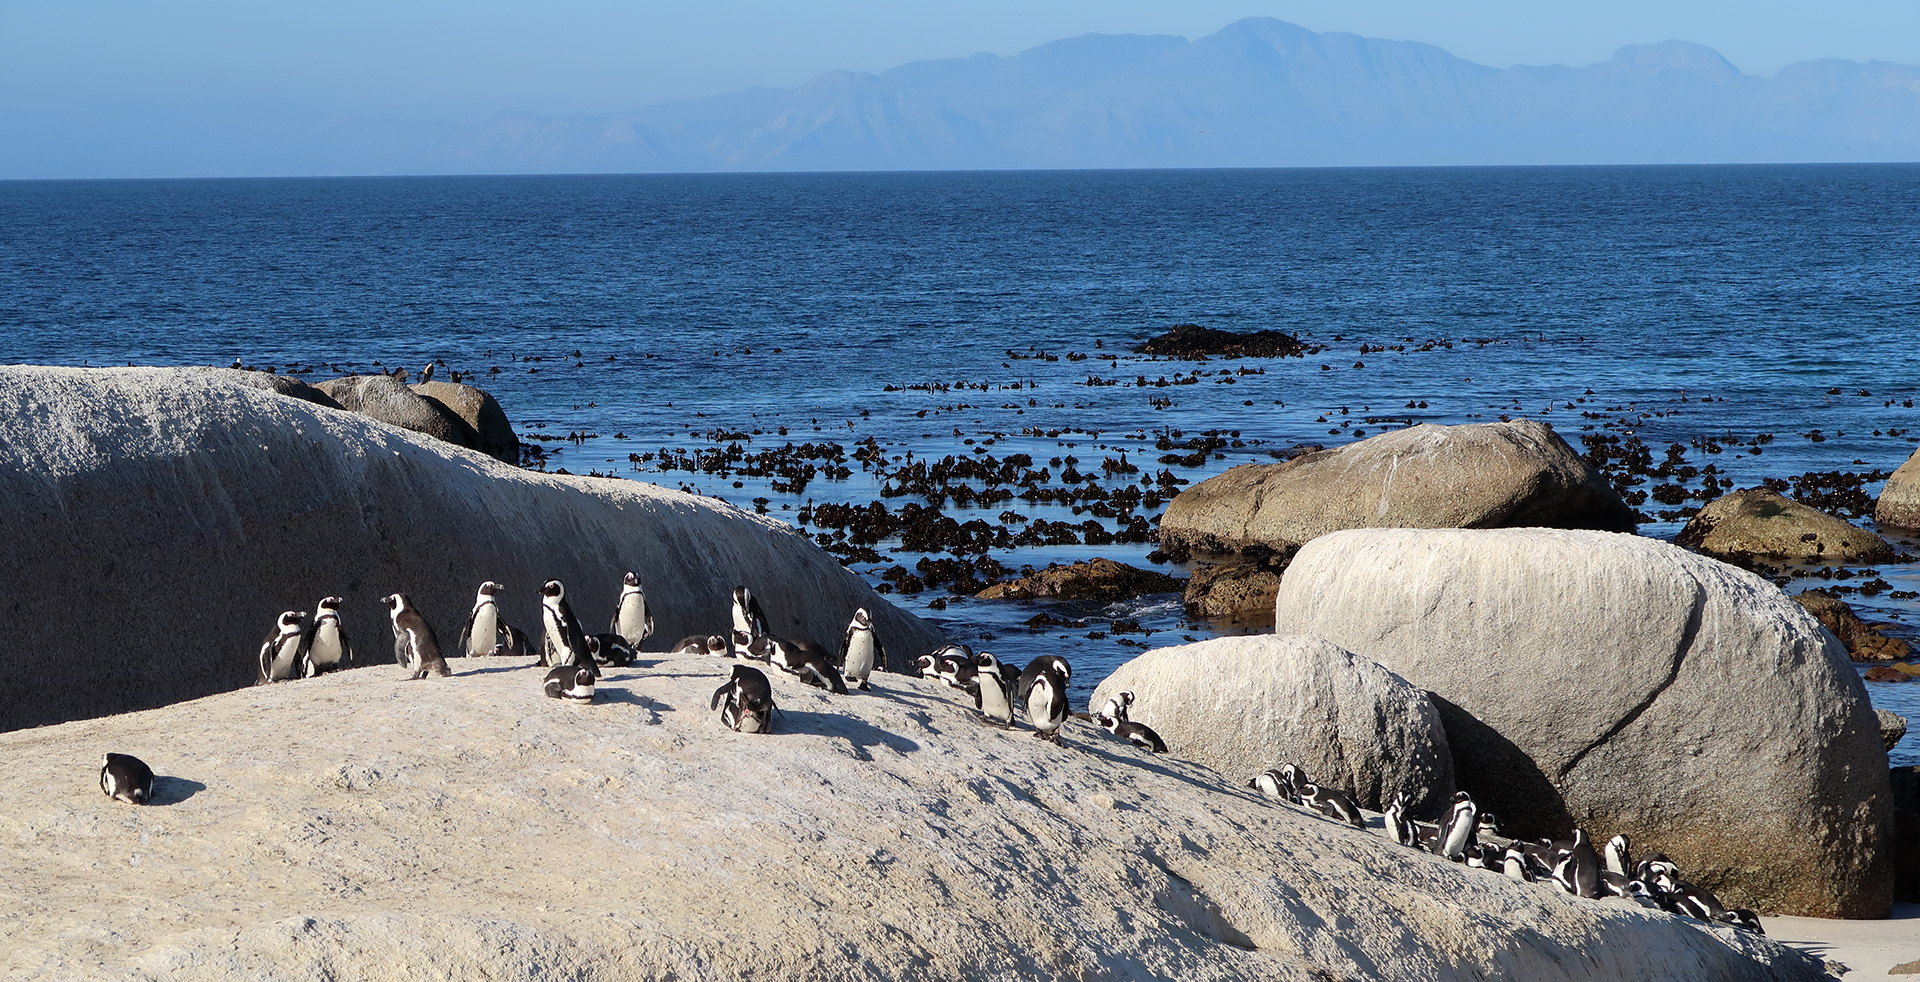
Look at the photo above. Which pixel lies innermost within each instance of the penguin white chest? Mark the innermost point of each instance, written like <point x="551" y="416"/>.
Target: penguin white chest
<point x="486" y="629"/>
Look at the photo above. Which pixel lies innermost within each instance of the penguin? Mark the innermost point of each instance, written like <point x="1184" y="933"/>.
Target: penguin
<point x="957" y="667"/>
<point x="563" y="642"/>
<point x="1488" y="825"/>
<point x="513" y="641"/>
<point x="327" y="647"/>
<point x="1577" y="868"/>
<point x="1052" y="663"/>
<point x="1514" y="864"/>
<point x="570" y="682"/>
<point x="747" y="615"/>
<point x="862" y="654"/>
<point x="414" y="645"/>
<point x="695" y="644"/>
<point x="481" y="635"/>
<point x="1116" y="706"/>
<point x="610" y="649"/>
<point x="1394" y="819"/>
<point x="990" y="690"/>
<point x="426" y="374"/>
<point x="745" y="701"/>
<point x="1458" y="830"/>
<point x="631" y="618"/>
<point x="807" y="660"/>
<point x="1618" y="858"/>
<point x="1269" y="783"/>
<point x="1333" y="803"/>
<point x="928" y="666"/>
<point x="1139" y="734"/>
<point x="1046" y="701"/>
<point x="1743" y="918"/>
<point x="127" y="778"/>
<point x="283" y="655"/>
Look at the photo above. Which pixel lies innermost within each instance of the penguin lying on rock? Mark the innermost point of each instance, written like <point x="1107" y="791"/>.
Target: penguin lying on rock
<point x="1139" y="734"/>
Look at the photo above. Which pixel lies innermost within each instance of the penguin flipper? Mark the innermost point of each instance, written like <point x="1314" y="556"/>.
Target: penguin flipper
<point x="721" y="693"/>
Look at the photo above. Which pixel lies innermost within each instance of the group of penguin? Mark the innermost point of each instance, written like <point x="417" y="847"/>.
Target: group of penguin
<point x="1572" y="865"/>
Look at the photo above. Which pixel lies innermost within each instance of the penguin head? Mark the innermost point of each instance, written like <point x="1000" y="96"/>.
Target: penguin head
<point x="1126" y="698"/>
<point x="985" y="661"/>
<point x="552" y="590"/>
<point x="742" y="596"/>
<point x="716" y="643"/>
<point x="1487" y="824"/>
<point x="292" y="621"/>
<point x="489" y="588"/>
<point x="631" y="579"/>
<point x="862" y="619"/>
<point x="1106" y="722"/>
<point x="330" y="604"/>
<point x="395" y="602"/>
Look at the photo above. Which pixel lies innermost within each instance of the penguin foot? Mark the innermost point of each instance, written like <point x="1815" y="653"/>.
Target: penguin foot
<point x="864" y="687"/>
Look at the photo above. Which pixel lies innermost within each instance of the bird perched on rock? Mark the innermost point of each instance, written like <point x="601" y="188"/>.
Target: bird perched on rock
<point x="745" y="701"/>
<point x="862" y="654"/>
<point x="1044" y="694"/>
<point x="327" y="647"/>
<point x="1331" y="802"/>
<point x="562" y="642"/>
<point x="631" y="618"/>
<point x="284" y="654"/>
<point x="415" y="646"/>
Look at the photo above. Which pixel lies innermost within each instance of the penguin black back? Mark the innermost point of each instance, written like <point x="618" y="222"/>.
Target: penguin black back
<point x="127" y="778"/>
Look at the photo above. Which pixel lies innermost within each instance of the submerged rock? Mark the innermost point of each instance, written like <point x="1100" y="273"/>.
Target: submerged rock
<point x="1242" y="591"/>
<point x="1757" y="522"/>
<point x="1864" y="643"/>
<point x="357" y="826"/>
<point x="1246" y="704"/>
<point x="159" y="520"/>
<point x="1191" y="341"/>
<point x="1478" y="475"/>
<point x="1100" y="580"/>
<point x="1622" y="684"/>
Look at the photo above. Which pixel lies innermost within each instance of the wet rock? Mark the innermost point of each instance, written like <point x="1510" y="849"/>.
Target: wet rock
<point x="1191" y="341"/>
<point x="1238" y="591"/>
<point x="1625" y="685"/>
<point x="1101" y="580"/>
<point x="390" y="400"/>
<point x="1899" y="503"/>
<point x="493" y="432"/>
<point x="1864" y="643"/>
<point x="1892" y="727"/>
<point x="1757" y="522"/>
<point x="1242" y="705"/>
<point x="1478" y="475"/>
<point x="1885" y="673"/>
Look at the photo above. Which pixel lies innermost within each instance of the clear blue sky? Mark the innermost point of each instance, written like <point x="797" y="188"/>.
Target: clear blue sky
<point x="475" y="58"/>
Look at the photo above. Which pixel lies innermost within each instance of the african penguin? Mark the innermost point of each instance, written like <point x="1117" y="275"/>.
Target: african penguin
<point x="513" y="641"/>
<point x="1333" y="803"/>
<point x="126" y="778"/>
<point x="1398" y="827"/>
<point x="695" y="644"/>
<point x="1270" y="784"/>
<point x="957" y="667"/>
<point x="610" y="649"/>
<point x="1515" y="865"/>
<point x="990" y="690"/>
<point x="1458" y="830"/>
<point x="1051" y="663"/>
<point x="809" y="661"/>
<point x="327" y="647"/>
<point x="283" y="655"/>
<point x="1139" y="734"/>
<point x="631" y="618"/>
<point x="745" y="701"/>
<point x="481" y="635"/>
<point x="562" y="641"/>
<point x="570" y="682"/>
<point x="1586" y="866"/>
<point x="1617" y="855"/>
<point x="747" y="615"/>
<point x="1046" y="700"/>
<point x="862" y="653"/>
<point x="414" y="645"/>
<point x="1117" y="705"/>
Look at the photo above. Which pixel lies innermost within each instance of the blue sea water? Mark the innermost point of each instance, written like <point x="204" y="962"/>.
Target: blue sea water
<point x="921" y="310"/>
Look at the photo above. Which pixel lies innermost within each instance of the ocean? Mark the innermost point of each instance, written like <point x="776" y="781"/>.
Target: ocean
<point x="676" y="329"/>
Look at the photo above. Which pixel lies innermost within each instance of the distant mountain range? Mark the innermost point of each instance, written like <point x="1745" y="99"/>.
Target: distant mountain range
<point x="1258" y="93"/>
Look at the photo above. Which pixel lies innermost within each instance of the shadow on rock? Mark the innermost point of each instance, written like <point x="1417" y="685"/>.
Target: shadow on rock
<point x="1501" y="777"/>
<point x="173" y="790"/>
<point x="857" y="732"/>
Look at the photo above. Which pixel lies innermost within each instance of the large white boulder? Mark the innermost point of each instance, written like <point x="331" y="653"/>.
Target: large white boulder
<point x="158" y="521"/>
<point x="358" y="826"/>
<point x="1623" y="684"/>
<point x="1241" y="705"/>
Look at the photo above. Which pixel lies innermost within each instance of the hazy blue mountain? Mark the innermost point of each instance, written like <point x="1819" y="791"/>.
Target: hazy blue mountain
<point x="1258" y="92"/>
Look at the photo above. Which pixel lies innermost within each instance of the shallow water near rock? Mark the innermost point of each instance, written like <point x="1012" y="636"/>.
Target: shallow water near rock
<point x="1756" y="319"/>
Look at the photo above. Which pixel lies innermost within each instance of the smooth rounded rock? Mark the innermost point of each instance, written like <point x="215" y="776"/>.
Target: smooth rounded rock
<point x="1622" y="684"/>
<point x="1477" y="475"/>
<point x="1756" y="522"/>
<point x="158" y="520"/>
<point x="1899" y="502"/>
<point x="1242" y="705"/>
<point x="493" y="431"/>
<point x="391" y="401"/>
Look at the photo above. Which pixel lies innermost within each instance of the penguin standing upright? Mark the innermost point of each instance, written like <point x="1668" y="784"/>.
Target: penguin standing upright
<point x="862" y="653"/>
<point x="414" y="645"/>
<point x="990" y="690"/>
<point x="1051" y="663"/>
<point x="1584" y="872"/>
<point x="631" y="618"/>
<point x="745" y="701"/>
<point x="1398" y="826"/>
<point x="562" y="641"/>
<point x="327" y="647"/>
<point x="283" y="655"/>
<point x="127" y="778"/>
<point x="1458" y="830"/>
<point x="747" y="615"/>
<point x="1045" y="697"/>
<point x="1618" y="855"/>
<point x="1117" y="706"/>
<point x="481" y="635"/>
